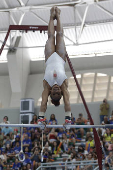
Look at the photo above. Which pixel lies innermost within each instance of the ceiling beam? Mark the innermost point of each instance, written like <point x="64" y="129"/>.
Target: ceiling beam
<point x="83" y="22"/>
<point x="104" y="10"/>
<point x="21" y="2"/>
<point x="16" y="33"/>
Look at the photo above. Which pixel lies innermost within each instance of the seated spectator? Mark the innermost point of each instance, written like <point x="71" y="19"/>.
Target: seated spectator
<point x="35" y="119"/>
<point x="36" y="158"/>
<point x="111" y="120"/>
<point x="1" y="164"/>
<point x="107" y="135"/>
<point x="79" y="131"/>
<point x="52" y="120"/>
<point x="52" y="136"/>
<point x="26" y="150"/>
<point x="5" y="119"/>
<point x="26" y="142"/>
<point x="72" y="119"/>
<point x="90" y="144"/>
<point x="17" y="164"/>
<point x="3" y="156"/>
<point x="60" y="133"/>
<point x="25" y="131"/>
<point x="89" y="158"/>
<point x="17" y="148"/>
<point x="7" y="140"/>
<point x="56" y="148"/>
<point x="9" y="152"/>
<point x="44" y="139"/>
<point x="105" y="121"/>
<point x="17" y="139"/>
<point x="1" y="138"/>
<point x="7" y="130"/>
<point x="29" y="166"/>
<point x="82" y="118"/>
<point x="27" y="160"/>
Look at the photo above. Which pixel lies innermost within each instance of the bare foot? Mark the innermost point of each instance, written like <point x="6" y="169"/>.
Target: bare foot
<point x="58" y="11"/>
<point x="53" y="12"/>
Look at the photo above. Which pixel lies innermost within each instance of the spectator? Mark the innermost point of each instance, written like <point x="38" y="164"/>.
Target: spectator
<point x="35" y="119"/>
<point x="72" y="119"/>
<point x="27" y="160"/>
<point x="104" y="107"/>
<point x="1" y="138"/>
<point x="16" y="165"/>
<point x="82" y="118"/>
<point x="52" y="135"/>
<point x="80" y="131"/>
<point x="5" y="119"/>
<point x="35" y="158"/>
<point x="105" y="121"/>
<point x="1" y="164"/>
<point x="26" y="142"/>
<point x="25" y="131"/>
<point x="107" y="135"/>
<point x="3" y="156"/>
<point x="7" y="130"/>
<point x="17" y="148"/>
<point x="29" y="166"/>
<point x="7" y="140"/>
<point x="52" y="120"/>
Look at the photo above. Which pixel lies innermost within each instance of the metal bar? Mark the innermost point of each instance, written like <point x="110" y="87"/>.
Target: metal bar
<point x="22" y="27"/>
<point x="94" y="86"/>
<point x="58" y="126"/>
<point x="104" y="10"/>
<point x="5" y="40"/>
<point x="41" y="6"/>
<point x="83" y="22"/>
<point x="21" y="2"/>
<point x="16" y="34"/>
<point x="96" y="137"/>
<point x="45" y="22"/>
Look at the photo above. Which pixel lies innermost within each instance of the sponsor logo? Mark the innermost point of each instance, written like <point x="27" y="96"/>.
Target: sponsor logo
<point x="33" y="27"/>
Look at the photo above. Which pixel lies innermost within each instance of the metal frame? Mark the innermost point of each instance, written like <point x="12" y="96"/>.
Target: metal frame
<point x="57" y="126"/>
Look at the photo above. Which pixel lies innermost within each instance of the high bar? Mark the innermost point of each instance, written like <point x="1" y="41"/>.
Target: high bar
<point x="57" y="126"/>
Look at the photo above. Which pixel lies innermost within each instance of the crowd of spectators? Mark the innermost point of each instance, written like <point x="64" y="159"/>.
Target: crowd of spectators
<point x="68" y="145"/>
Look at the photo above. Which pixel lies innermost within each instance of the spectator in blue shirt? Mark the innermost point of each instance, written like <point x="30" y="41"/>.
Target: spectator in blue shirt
<point x="1" y="164"/>
<point x="16" y="165"/>
<point x="25" y="131"/>
<point x="53" y="120"/>
<point x="17" y="148"/>
<point x="27" y="142"/>
<point x="27" y="160"/>
<point x="7" y="130"/>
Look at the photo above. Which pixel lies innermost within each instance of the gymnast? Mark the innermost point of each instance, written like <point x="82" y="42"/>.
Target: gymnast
<point x="55" y="82"/>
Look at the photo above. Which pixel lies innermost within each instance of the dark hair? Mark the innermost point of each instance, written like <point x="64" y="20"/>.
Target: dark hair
<point x="6" y="117"/>
<point x="55" y="102"/>
<point x="51" y="117"/>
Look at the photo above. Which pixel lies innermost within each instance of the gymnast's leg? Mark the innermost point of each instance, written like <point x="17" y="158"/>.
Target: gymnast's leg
<point x="50" y="44"/>
<point x="60" y="45"/>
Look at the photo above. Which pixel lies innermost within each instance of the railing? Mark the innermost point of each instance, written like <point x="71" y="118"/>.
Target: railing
<point x="69" y="165"/>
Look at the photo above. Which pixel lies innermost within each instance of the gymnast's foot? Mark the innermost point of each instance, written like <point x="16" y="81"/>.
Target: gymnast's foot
<point x="53" y="12"/>
<point x="58" y="11"/>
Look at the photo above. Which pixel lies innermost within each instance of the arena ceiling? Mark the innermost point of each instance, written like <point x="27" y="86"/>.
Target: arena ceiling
<point x="88" y="25"/>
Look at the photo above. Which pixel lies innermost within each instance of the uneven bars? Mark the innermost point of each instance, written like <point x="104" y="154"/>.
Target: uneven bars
<point x="57" y="126"/>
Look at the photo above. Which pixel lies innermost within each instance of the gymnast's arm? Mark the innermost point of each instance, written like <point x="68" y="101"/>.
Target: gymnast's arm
<point x="64" y="88"/>
<point x="45" y="95"/>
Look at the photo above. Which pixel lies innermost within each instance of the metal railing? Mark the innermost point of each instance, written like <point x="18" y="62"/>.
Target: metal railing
<point x="69" y="165"/>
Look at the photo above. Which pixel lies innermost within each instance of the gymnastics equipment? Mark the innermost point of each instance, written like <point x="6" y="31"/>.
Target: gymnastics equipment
<point x="45" y="28"/>
<point x="21" y="155"/>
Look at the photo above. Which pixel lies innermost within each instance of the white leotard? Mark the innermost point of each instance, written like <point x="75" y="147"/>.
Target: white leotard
<point x="55" y="64"/>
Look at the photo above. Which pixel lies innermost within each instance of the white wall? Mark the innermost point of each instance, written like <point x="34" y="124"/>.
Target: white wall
<point x="13" y="113"/>
<point x="5" y="91"/>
